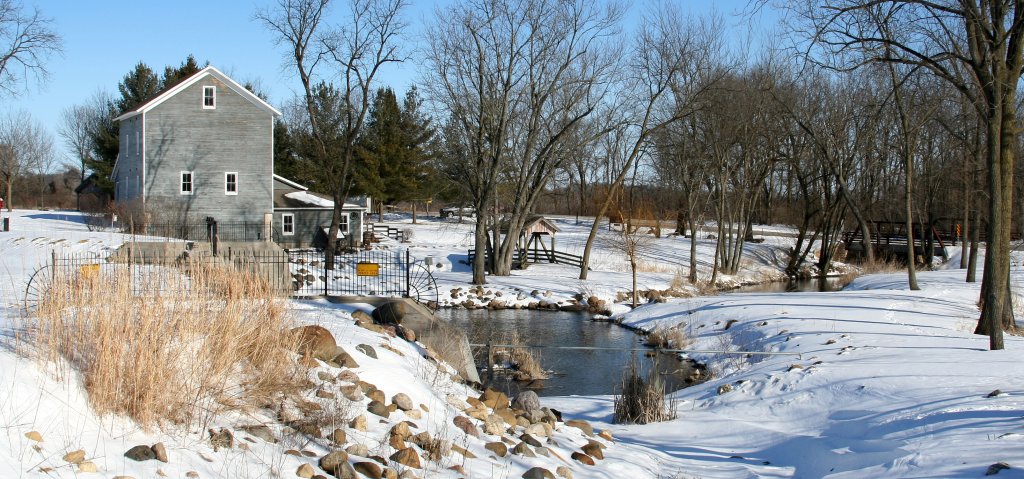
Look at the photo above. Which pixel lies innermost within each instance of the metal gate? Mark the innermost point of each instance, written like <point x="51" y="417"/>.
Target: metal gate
<point x="379" y="273"/>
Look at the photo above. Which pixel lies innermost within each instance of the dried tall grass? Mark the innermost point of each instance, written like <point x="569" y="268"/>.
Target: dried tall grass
<point x="642" y="400"/>
<point x="878" y="266"/>
<point x="526" y="363"/>
<point x="167" y="344"/>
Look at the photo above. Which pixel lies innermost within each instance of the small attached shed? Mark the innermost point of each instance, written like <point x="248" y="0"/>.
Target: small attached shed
<point x="302" y="218"/>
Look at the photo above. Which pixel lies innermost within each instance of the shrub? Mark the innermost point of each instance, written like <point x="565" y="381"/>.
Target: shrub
<point x="163" y="343"/>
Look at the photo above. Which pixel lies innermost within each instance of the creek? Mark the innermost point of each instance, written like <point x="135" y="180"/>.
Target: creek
<point x="573" y="371"/>
<point x="604" y="349"/>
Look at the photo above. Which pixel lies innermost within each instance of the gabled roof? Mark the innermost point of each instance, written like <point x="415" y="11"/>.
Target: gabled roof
<point x="208" y="71"/>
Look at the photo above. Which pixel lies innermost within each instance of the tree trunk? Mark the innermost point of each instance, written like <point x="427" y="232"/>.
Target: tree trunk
<point x="972" y="263"/>
<point x="693" y="251"/>
<point x="908" y="198"/>
<point x="480" y="250"/>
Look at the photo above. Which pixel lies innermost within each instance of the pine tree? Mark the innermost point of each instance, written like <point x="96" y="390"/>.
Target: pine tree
<point x="393" y="149"/>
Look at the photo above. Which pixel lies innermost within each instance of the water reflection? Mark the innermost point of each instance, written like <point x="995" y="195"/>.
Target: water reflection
<point x="575" y="371"/>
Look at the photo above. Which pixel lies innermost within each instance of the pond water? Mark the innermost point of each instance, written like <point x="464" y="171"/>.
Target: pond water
<point x="575" y="371"/>
<point x="808" y="285"/>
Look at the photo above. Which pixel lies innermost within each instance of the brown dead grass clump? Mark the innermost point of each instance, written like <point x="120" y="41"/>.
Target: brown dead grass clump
<point x="527" y="365"/>
<point x="668" y="338"/>
<point x="878" y="266"/>
<point x="161" y="345"/>
<point x="642" y="399"/>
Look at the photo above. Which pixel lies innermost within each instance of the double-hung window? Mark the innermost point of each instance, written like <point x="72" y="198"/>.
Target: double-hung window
<point x="209" y="97"/>
<point x="187" y="182"/>
<point x="231" y="183"/>
<point x="288" y="224"/>
<point x="343" y="224"/>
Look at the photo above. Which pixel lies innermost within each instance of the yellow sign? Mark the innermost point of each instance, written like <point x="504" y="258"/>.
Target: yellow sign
<point x="89" y="271"/>
<point x="367" y="269"/>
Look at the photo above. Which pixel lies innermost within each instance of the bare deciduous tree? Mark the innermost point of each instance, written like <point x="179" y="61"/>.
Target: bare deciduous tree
<point x="364" y="41"/>
<point x="25" y="147"/>
<point x="26" y="43"/>
<point x="531" y="74"/>
<point x="982" y="37"/>
<point x="667" y="72"/>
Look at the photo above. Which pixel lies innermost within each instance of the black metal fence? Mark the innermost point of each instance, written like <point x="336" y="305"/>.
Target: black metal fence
<point x="296" y="273"/>
<point x="365" y="273"/>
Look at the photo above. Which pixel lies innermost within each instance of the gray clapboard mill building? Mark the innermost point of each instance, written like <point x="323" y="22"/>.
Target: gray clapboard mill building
<point x="204" y="149"/>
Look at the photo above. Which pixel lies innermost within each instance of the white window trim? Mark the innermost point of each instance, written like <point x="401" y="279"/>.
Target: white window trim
<point x="226" y="175"/>
<point x="284" y="224"/>
<point x="192" y="182"/>
<point x="343" y="223"/>
<point x="202" y="100"/>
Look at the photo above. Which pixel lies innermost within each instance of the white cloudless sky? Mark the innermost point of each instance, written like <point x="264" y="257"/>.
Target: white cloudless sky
<point x="104" y="39"/>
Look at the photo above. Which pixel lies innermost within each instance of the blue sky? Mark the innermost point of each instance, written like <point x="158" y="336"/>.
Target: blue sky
<point x="104" y="39"/>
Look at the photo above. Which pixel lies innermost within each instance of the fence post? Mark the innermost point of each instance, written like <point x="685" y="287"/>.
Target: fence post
<point x="408" y="269"/>
<point x="327" y="273"/>
<point x="490" y="362"/>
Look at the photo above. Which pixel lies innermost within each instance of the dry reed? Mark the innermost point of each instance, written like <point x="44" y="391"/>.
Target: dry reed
<point x="167" y="344"/>
<point x="642" y="400"/>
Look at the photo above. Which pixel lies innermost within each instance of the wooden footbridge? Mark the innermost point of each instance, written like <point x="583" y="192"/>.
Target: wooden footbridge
<point x="889" y="239"/>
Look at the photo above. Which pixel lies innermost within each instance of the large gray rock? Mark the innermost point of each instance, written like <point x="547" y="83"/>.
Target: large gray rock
<point x="527" y="401"/>
<point x="391" y="312"/>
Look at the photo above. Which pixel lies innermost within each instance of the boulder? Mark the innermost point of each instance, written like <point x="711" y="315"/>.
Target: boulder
<point x="160" y="451"/>
<point x="494" y="425"/>
<point x="315" y="341"/>
<point x="581" y="425"/>
<point x="538" y="473"/>
<point x="367" y="350"/>
<point x="378" y="408"/>
<point x="352" y="392"/>
<point x="34" y="435"/>
<point x="466" y="425"/>
<point x="369" y="469"/>
<point x="593" y="450"/>
<point x="401" y="430"/>
<point x="531" y="440"/>
<point x="361" y="450"/>
<point x="362" y="317"/>
<point x="498" y="448"/>
<point x="338" y="436"/>
<point x="358" y="423"/>
<point x="524" y="450"/>
<point x="494" y="399"/>
<point x="87" y="466"/>
<point x="407" y="457"/>
<point x="348" y="376"/>
<point x="343" y="359"/>
<point x="334" y="462"/>
<point x="391" y="312"/>
<point x="583" y="458"/>
<point x="139" y="453"/>
<point x="77" y="457"/>
<point x="527" y="401"/>
<point x="305" y="471"/>
<point x="564" y="472"/>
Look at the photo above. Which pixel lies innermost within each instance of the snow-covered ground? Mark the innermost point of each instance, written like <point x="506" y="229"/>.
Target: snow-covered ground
<point x="877" y="380"/>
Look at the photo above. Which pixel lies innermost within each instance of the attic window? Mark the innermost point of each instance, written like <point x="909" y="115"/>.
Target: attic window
<point x="209" y="97"/>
